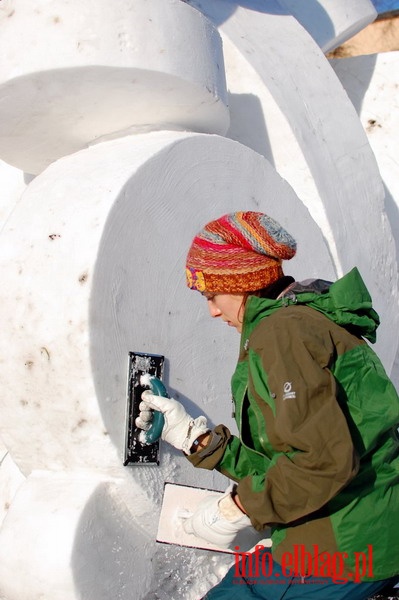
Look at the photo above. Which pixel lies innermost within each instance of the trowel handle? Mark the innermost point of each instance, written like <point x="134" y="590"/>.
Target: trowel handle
<point x="154" y="432"/>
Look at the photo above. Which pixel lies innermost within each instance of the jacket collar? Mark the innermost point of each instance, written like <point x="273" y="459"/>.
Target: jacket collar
<point x="347" y="302"/>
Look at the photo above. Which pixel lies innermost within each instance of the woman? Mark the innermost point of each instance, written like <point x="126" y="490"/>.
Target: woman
<point x="317" y="457"/>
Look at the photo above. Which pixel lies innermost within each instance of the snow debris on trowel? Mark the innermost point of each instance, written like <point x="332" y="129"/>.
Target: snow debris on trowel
<point x="144" y="372"/>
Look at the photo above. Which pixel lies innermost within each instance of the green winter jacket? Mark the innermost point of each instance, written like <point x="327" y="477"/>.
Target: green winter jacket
<point x="317" y="457"/>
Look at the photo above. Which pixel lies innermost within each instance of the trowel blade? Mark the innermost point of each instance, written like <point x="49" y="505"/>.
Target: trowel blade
<point x="139" y="364"/>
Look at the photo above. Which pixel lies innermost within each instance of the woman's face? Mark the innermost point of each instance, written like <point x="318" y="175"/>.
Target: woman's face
<point x="229" y="307"/>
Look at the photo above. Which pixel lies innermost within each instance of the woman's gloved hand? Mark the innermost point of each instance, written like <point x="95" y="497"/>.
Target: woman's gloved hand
<point x="217" y="520"/>
<point x="180" y="430"/>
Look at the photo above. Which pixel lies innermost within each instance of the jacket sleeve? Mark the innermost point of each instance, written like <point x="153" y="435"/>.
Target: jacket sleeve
<point x="315" y="456"/>
<point x="226" y="454"/>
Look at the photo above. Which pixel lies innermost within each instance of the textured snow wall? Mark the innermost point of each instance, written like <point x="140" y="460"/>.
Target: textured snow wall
<point x="80" y="539"/>
<point x="92" y="252"/>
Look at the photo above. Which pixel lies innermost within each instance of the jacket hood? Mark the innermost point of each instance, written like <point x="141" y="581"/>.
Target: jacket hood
<point x="347" y="302"/>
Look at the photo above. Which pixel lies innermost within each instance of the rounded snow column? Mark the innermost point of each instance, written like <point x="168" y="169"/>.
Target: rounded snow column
<point x="104" y="68"/>
<point x="71" y="535"/>
<point x="331" y="23"/>
<point x="100" y="271"/>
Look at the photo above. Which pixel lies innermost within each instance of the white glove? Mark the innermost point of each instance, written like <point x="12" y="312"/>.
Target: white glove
<point x="180" y="429"/>
<point x="217" y="520"/>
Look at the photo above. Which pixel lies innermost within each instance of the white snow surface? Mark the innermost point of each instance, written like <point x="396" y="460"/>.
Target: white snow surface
<point x="373" y="89"/>
<point x="113" y="69"/>
<point x="92" y="250"/>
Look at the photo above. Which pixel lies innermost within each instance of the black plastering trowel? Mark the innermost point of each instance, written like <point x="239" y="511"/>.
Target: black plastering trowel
<point x="144" y="372"/>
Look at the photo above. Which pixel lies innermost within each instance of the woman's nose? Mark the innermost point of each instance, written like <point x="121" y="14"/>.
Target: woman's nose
<point x="213" y="310"/>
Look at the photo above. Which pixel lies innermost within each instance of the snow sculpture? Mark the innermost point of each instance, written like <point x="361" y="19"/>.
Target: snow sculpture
<point x="95" y="70"/>
<point x="97" y="283"/>
<point x="92" y="254"/>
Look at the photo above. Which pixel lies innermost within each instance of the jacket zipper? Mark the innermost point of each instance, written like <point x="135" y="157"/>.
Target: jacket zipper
<point x="240" y="427"/>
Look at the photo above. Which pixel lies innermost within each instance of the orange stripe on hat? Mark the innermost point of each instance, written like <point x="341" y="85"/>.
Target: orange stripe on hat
<point x="238" y="252"/>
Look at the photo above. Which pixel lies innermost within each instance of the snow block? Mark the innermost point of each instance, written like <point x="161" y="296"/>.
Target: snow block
<point x="101" y="69"/>
<point x="99" y="271"/>
<point x="71" y="536"/>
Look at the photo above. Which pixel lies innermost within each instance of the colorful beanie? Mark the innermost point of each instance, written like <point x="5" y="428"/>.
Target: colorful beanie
<point x="240" y="252"/>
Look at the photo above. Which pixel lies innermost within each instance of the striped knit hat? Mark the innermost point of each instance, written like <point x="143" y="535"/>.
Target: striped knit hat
<point x="240" y="252"/>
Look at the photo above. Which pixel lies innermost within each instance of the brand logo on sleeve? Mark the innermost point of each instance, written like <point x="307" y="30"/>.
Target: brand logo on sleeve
<point x="289" y="393"/>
